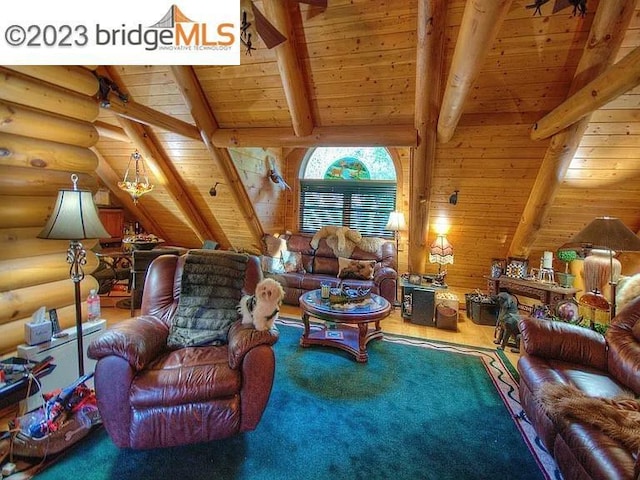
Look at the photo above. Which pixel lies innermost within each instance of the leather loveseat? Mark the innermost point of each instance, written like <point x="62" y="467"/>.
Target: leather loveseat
<point x="561" y="353"/>
<point x="321" y="265"/>
<point x="152" y="396"/>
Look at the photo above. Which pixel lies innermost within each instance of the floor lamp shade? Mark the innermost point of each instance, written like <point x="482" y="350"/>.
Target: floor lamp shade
<point x="396" y="224"/>
<point x="74" y="218"/>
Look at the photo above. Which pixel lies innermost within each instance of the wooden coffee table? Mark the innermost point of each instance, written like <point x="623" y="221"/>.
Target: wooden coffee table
<point x="352" y="332"/>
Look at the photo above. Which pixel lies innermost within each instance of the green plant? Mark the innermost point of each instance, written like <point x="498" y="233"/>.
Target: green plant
<point x="567" y="256"/>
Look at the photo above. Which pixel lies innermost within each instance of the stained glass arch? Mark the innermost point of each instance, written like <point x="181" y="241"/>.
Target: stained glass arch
<point x="349" y="163"/>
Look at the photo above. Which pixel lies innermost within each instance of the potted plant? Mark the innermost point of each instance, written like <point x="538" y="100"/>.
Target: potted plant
<point x="566" y="279"/>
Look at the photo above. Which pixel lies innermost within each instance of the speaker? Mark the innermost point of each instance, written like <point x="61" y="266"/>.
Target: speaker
<point x="423" y="306"/>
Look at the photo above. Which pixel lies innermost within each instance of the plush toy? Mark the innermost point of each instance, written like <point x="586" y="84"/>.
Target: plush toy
<point x="342" y="234"/>
<point x="507" y="321"/>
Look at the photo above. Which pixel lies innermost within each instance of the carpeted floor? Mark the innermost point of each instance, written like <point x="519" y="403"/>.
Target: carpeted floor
<point x="417" y="409"/>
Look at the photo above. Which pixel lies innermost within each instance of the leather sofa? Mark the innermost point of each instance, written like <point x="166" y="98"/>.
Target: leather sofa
<point x="321" y="265"/>
<point x="598" y="366"/>
<point x="150" y="396"/>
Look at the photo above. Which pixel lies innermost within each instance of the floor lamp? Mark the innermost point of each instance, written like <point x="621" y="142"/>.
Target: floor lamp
<point x="610" y="234"/>
<point x="74" y="218"/>
<point x="396" y="224"/>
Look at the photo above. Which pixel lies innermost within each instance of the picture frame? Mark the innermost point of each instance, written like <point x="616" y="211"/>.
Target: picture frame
<point x="516" y="267"/>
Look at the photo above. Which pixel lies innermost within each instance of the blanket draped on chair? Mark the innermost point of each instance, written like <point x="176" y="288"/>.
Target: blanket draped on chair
<point x="210" y="291"/>
<point x="619" y="417"/>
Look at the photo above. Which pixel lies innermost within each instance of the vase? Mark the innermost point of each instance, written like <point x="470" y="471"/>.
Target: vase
<point x="565" y="279"/>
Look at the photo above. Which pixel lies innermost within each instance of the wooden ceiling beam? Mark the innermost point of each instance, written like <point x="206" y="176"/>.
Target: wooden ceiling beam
<point x="163" y="170"/>
<point x="607" y="32"/>
<point x="481" y="22"/>
<point x="289" y="67"/>
<point x="610" y="84"/>
<point x="356" y="136"/>
<point x="111" y="131"/>
<point x="148" y="116"/>
<point x="429" y="66"/>
<point x="195" y="98"/>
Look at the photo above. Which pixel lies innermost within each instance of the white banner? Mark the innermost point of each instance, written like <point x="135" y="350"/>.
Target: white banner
<point x="121" y="32"/>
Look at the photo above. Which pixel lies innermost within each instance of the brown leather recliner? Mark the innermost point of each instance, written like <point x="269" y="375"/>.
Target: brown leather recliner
<point x="150" y="396"/>
<point x="564" y="354"/>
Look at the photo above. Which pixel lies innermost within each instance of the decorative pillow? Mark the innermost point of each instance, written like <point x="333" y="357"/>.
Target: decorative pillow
<point x="271" y="264"/>
<point x="292" y="262"/>
<point x="356" y="269"/>
<point x="274" y="246"/>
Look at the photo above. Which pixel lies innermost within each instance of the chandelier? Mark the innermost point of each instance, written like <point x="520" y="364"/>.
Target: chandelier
<point x="139" y="185"/>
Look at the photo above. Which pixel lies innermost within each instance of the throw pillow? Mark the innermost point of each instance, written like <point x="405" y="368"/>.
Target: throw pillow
<point x="356" y="269"/>
<point x="292" y="262"/>
<point x="271" y="264"/>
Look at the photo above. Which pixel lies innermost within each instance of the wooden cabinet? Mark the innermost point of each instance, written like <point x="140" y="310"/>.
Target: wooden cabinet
<point x="113" y="221"/>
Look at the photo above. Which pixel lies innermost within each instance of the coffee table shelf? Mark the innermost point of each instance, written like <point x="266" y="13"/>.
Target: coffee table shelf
<point x="352" y="330"/>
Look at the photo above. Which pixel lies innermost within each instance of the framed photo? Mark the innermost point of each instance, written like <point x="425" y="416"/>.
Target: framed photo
<point x="516" y="267"/>
<point x="415" y="278"/>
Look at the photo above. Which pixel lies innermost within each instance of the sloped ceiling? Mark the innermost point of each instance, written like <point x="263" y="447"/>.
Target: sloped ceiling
<point x="377" y="73"/>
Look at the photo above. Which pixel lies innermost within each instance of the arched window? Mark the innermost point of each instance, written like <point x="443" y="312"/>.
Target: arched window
<point x="354" y="187"/>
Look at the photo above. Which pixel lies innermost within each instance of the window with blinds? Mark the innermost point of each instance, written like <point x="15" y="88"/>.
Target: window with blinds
<point x="361" y="205"/>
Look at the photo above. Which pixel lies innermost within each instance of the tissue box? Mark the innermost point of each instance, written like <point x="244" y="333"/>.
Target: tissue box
<point x="35" y="333"/>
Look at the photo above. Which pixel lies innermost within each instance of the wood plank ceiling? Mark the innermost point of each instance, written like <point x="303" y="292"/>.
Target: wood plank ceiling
<point x="405" y="74"/>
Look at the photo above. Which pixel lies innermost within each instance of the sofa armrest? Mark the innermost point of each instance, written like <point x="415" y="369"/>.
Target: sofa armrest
<point x="242" y="338"/>
<point x="137" y="340"/>
<point x="384" y="273"/>
<point x="563" y="341"/>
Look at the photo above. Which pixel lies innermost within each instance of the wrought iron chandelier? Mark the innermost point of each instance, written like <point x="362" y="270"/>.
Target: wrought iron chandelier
<point x="139" y="184"/>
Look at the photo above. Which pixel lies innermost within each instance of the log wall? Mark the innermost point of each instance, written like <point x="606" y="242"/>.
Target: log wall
<point x="46" y="132"/>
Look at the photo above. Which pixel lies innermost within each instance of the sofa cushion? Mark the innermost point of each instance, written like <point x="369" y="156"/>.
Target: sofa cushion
<point x="292" y="262"/>
<point x="356" y="269"/>
<point x="271" y="264"/>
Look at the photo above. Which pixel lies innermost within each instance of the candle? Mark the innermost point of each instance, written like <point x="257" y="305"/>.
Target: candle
<point x="547" y="260"/>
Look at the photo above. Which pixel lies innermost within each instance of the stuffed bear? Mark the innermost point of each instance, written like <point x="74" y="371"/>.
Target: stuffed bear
<point x="341" y="233"/>
<point x="507" y="321"/>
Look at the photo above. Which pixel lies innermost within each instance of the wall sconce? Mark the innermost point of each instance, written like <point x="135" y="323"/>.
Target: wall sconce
<point x="139" y="185"/>
<point x="453" y="199"/>
<point x="214" y="190"/>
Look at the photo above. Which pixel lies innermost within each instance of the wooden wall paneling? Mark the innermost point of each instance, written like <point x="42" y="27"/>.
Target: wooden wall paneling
<point x="71" y="77"/>
<point x="20" y="120"/>
<point x="22" y="302"/>
<point x="12" y="334"/>
<point x="34" y="93"/>
<point x="20" y="151"/>
<point x="34" y="270"/>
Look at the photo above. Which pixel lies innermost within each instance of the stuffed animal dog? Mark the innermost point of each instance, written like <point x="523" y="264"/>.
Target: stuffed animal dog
<point x="262" y="309"/>
<point x="507" y="320"/>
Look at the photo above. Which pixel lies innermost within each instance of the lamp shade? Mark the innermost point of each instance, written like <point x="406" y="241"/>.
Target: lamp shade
<point x="74" y="217"/>
<point x="608" y="233"/>
<point x="396" y="222"/>
<point x="441" y="251"/>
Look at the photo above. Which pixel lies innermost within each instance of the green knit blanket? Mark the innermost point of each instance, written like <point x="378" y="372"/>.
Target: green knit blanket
<point x="210" y="291"/>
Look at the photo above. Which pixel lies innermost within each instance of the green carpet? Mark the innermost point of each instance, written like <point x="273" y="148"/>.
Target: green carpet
<point x="416" y="410"/>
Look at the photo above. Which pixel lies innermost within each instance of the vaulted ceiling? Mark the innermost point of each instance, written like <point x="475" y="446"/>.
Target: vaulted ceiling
<point x="454" y="88"/>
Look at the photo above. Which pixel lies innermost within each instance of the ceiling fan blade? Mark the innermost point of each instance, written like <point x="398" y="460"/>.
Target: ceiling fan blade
<point x="268" y="33"/>
<point x="561" y="5"/>
<point x="315" y="3"/>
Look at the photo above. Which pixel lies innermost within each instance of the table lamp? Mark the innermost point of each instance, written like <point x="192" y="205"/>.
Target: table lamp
<point x="396" y="224"/>
<point x="441" y="252"/>
<point x="74" y="218"/>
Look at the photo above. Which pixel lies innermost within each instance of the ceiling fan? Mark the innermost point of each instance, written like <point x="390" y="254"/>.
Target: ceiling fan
<point x="252" y="16"/>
